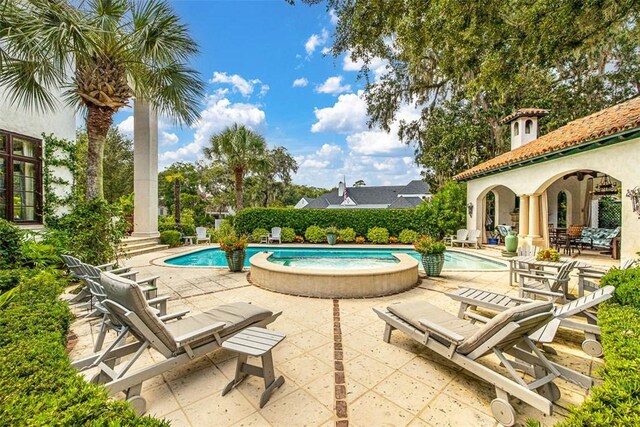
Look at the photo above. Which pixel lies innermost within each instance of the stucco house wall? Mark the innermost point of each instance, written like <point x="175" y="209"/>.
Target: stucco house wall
<point x="619" y="161"/>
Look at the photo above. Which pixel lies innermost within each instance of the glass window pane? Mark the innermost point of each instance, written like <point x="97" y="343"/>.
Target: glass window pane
<point x="23" y="147"/>
<point x="3" y="142"/>
<point x="24" y="187"/>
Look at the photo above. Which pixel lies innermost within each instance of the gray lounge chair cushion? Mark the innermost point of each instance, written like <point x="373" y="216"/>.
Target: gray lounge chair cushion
<point x="514" y="314"/>
<point x="411" y="312"/>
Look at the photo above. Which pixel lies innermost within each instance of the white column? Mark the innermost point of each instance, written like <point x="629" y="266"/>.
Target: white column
<point x="534" y="216"/>
<point x="145" y="170"/>
<point x="523" y="221"/>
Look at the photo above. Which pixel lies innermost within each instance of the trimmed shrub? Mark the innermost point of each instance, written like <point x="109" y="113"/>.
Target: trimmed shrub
<point x="315" y="234"/>
<point x="9" y="279"/>
<point x="347" y="235"/>
<point x="360" y="220"/>
<point x="257" y="234"/>
<point x="171" y="238"/>
<point x="408" y="236"/>
<point x="288" y="234"/>
<point x="10" y="244"/>
<point x="627" y="284"/>
<point x="166" y="223"/>
<point x="187" y="222"/>
<point x="378" y="235"/>
<point x="38" y="385"/>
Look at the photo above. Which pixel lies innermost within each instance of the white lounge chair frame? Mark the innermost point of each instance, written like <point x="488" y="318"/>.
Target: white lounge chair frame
<point x="202" y="236"/>
<point x="528" y="358"/>
<point x="120" y="378"/>
<point x="472" y="237"/>
<point x="509" y="340"/>
<point x="471" y="298"/>
<point x="75" y="269"/>
<point x="275" y="235"/>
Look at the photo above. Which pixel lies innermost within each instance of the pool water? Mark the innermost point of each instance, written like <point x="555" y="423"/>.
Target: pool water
<point x="330" y="258"/>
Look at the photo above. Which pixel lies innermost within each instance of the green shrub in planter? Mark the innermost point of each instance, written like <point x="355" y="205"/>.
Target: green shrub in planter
<point x="257" y="234"/>
<point x="408" y="236"/>
<point x="347" y="235"/>
<point x="171" y="238"/>
<point x="287" y="234"/>
<point x="378" y="235"/>
<point x="315" y="234"/>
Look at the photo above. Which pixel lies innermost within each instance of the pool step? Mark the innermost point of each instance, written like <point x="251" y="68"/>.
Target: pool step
<point x="132" y="246"/>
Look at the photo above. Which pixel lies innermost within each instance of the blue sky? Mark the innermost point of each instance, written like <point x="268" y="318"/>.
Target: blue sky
<point x="264" y="66"/>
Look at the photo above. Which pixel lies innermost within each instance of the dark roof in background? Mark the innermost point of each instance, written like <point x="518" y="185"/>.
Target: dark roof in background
<point x="405" y="202"/>
<point x="373" y="195"/>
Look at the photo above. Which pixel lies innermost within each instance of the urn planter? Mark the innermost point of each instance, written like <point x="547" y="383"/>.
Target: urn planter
<point x="235" y="259"/>
<point x="433" y="264"/>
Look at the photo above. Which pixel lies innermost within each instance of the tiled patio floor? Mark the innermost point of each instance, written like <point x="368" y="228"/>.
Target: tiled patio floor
<point x="386" y="384"/>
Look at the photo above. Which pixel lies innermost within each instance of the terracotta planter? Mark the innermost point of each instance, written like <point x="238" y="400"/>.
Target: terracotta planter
<point x="432" y="264"/>
<point x="235" y="260"/>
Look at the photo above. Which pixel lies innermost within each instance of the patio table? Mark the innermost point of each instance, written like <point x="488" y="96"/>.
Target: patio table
<point x="533" y="262"/>
<point x="188" y="240"/>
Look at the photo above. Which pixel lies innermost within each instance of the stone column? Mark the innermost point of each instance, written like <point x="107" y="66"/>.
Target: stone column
<point x="145" y="170"/>
<point x="523" y="221"/>
<point x="534" y="216"/>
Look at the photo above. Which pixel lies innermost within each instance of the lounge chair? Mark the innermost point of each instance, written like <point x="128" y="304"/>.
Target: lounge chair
<point x="75" y="269"/>
<point x="275" y="235"/>
<point x="503" y="231"/>
<point x="549" y="285"/>
<point x="179" y="342"/>
<point x="472" y="238"/>
<point x="202" y="236"/>
<point x="470" y="298"/>
<point x="108" y="322"/>
<point x="587" y="276"/>
<point x="464" y="343"/>
<point x="461" y="235"/>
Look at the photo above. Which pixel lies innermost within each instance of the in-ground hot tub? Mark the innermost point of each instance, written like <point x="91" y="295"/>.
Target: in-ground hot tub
<point x="328" y="277"/>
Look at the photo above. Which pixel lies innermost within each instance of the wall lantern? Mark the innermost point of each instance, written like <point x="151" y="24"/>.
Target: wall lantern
<point x="470" y="209"/>
<point x="634" y="195"/>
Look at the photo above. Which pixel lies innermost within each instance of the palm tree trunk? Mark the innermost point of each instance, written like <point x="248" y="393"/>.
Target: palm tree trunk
<point x="176" y="202"/>
<point x="238" y="177"/>
<point x="99" y="121"/>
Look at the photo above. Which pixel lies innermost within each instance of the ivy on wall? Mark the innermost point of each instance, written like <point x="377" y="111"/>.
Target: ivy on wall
<point x="58" y="153"/>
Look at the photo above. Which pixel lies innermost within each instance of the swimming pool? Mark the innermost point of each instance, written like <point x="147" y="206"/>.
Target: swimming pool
<point x="333" y="258"/>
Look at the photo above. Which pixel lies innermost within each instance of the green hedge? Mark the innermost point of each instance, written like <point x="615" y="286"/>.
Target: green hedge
<point x="616" y="402"/>
<point x="361" y="220"/>
<point x="172" y="238"/>
<point x="37" y="384"/>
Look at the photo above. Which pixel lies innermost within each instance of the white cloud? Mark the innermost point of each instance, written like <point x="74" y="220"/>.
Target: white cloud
<point x="263" y="90"/>
<point x="169" y="138"/>
<point x="315" y="41"/>
<point x="301" y="82"/>
<point x="373" y="142"/>
<point x="125" y="127"/>
<point x="219" y="113"/>
<point x="377" y="66"/>
<point x="347" y="115"/>
<point x="240" y="84"/>
<point x="333" y="16"/>
<point x="328" y="156"/>
<point x="326" y="50"/>
<point x="333" y="85"/>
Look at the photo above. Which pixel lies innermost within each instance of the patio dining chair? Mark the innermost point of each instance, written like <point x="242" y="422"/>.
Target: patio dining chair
<point x="588" y="278"/>
<point x="564" y="315"/>
<point x="465" y="344"/>
<point x="179" y="342"/>
<point x="547" y="284"/>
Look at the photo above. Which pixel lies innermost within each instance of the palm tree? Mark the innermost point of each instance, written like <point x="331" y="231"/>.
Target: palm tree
<point x="177" y="179"/>
<point x="104" y="52"/>
<point x="240" y="150"/>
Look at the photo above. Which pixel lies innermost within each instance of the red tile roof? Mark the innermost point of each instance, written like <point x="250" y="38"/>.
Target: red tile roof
<point x="524" y="112"/>
<point x="612" y="120"/>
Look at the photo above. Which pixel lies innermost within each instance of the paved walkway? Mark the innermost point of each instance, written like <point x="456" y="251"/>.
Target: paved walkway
<point x="338" y="370"/>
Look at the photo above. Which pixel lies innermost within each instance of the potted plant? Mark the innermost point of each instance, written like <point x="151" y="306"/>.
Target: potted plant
<point x="548" y="255"/>
<point x="235" y="251"/>
<point x="432" y="254"/>
<point x="332" y="235"/>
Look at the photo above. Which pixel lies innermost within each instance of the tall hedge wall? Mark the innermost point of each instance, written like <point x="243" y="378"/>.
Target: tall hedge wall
<point x="394" y="220"/>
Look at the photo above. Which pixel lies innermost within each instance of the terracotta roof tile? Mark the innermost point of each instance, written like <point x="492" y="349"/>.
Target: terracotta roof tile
<point x="524" y="112"/>
<point x="612" y="120"/>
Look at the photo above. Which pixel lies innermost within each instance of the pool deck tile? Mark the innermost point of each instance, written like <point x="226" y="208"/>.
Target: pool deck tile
<point x="400" y="383"/>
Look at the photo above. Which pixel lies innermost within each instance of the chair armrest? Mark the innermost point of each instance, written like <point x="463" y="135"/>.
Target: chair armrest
<point x="441" y="331"/>
<point x="476" y="316"/>
<point x="534" y="276"/>
<point x="106" y="266"/>
<point x="131" y="275"/>
<point x="173" y="316"/>
<point x="543" y="292"/>
<point x="151" y="280"/>
<point x="120" y="270"/>
<point x="199" y="333"/>
<point x="158" y="300"/>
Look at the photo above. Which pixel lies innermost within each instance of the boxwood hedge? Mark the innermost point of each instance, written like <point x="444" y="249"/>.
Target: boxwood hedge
<point x="616" y="402"/>
<point x="361" y="220"/>
<point x="37" y="384"/>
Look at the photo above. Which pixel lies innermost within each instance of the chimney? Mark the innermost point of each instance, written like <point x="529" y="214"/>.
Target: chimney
<point x="524" y="125"/>
<point x="341" y="189"/>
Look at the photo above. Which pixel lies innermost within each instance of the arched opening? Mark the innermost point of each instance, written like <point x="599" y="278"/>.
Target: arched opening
<point x="516" y="128"/>
<point x="527" y="126"/>
<point x="562" y="210"/>
<point x="497" y="213"/>
<point x="490" y="217"/>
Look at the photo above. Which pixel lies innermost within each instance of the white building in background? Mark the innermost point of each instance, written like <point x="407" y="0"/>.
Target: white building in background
<point x="21" y="163"/>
